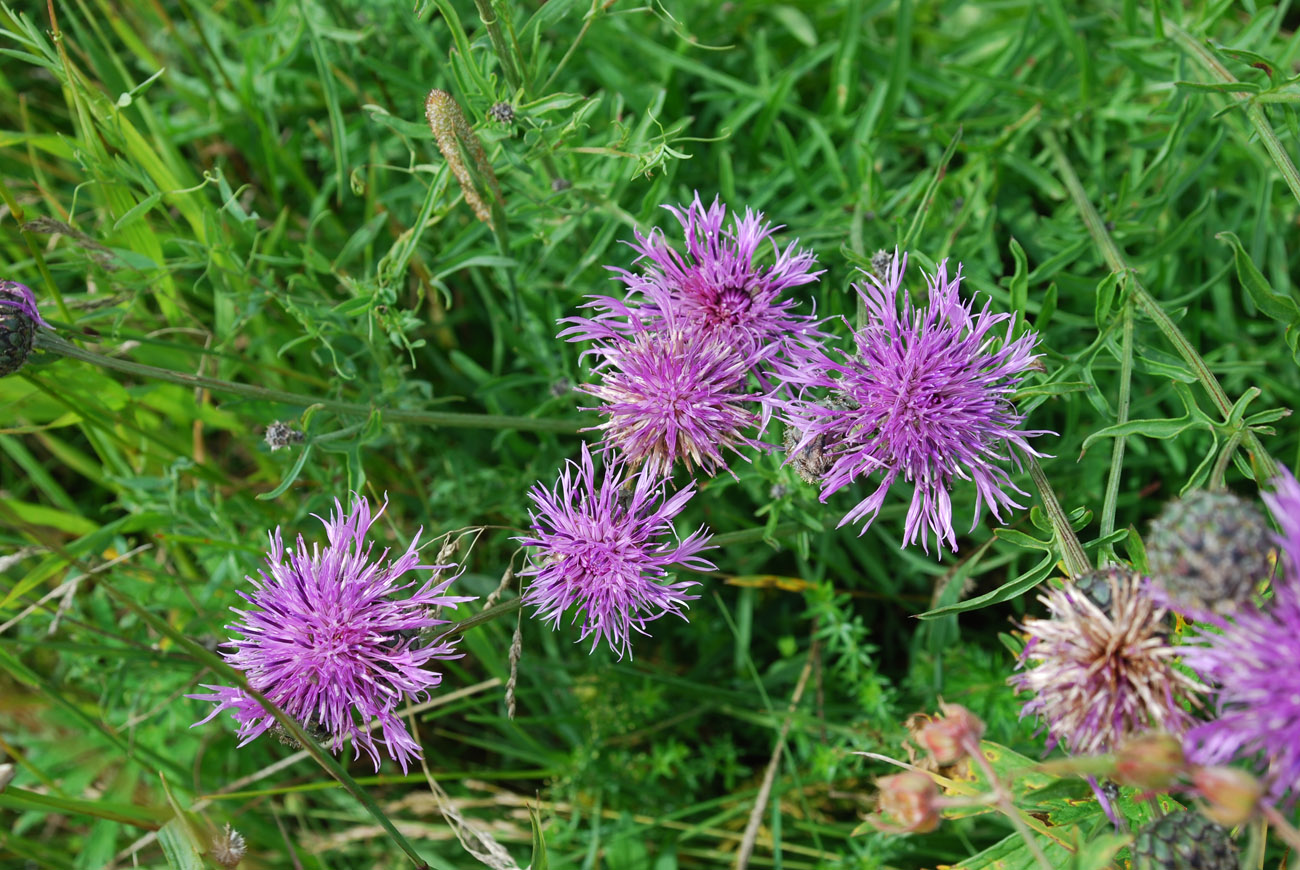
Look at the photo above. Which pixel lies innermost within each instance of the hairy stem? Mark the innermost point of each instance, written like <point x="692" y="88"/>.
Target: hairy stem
<point x="450" y="419"/>
<point x="1076" y="560"/>
<point x="1111" y="498"/>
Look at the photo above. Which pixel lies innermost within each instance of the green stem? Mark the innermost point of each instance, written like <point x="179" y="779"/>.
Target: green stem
<point x="504" y="56"/>
<point x="1265" y="466"/>
<point x="54" y="344"/>
<point x="749" y="536"/>
<point x="1076" y="560"/>
<point x="439" y="633"/>
<point x="323" y="758"/>
<point x="1108" y="505"/>
<point x="1254" y="112"/>
<point x="1218" y="476"/>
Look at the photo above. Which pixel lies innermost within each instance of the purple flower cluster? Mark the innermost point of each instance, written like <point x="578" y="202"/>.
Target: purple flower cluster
<point x="332" y="640"/>
<point x="705" y="348"/>
<point x="696" y="354"/>
<point x="1248" y="657"/>
<point x="690" y="366"/>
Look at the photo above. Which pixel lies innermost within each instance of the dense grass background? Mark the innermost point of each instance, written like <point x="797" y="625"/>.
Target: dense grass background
<point x="248" y="191"/>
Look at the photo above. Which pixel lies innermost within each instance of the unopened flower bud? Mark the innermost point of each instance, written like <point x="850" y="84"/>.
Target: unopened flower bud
<point x="454" y="135"/>
<point x="228" y="847"/>
<point x="280" y="435"/>
<point x="1151" y="761"/>
<point x="502" y="113"/>
<point x="951" y="737"/>
<point x="880" y="262"/>
<point x="1232" y="794"/>
<point x="908" y="802"/>
<point x="18" y="321"/>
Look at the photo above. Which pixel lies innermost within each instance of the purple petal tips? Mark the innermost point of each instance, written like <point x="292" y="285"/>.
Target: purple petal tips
<point x="1248" y="658"/>
<point x="602" y="545"/>
<point x="330" y="641"/>
<point x="20" y="296"/>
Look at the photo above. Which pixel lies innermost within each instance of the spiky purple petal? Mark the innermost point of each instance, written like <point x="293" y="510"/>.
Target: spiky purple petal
<point x="716" y="288"/>
<point x="1249" y="657"/>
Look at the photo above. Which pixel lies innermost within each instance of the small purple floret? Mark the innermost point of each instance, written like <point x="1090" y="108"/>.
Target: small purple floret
<point x="25" y="303"/>
<point x="602" y="545"/>
<point x="332" y="640"/>
<point x="926" y="397"/>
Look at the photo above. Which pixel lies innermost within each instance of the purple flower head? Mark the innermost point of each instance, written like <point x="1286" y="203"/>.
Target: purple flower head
<point x="1101" y="675"/>
<point x="20" y="297"/>
<point x="1249" y="659"/>
<point x="1284" y="503"/>
<point x="673" y="394"/>
<point x="926" y="397"/>
<point x="716" y="288"/>
<point x="332" y="642"/>
<point x="604" y="545"/>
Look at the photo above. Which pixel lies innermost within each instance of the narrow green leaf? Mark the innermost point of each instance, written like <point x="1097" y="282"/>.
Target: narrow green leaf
<point x="289" y="478"/>
<point x="1162" y="429"/>
<point x="20" y="800"/>
<point x="1275" y="305"/>
<point x="1105" y="298"/>
<point x="137" y="211"/>
<point x="179" y="847"/>
<point x="1007" y="591"/>
<point x="1233" y="87"/>
<point x="540" y="861"/>
<point x="1019" y="287"/>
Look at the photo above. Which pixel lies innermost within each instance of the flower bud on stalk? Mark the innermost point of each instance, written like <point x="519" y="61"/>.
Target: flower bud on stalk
<point x="953" y="736"/>
<point x="908" y="803"/>
<point x="18" y="321"/>
<point x="1233" y="795"/>
<point x="1151" y="761"/>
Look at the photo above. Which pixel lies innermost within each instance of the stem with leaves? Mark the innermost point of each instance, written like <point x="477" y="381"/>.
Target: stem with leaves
<point x="1263" y="465"/>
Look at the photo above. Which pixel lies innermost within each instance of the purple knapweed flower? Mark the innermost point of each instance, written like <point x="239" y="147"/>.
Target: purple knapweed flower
<point x="1099" y="675"/>
<point x="670" y="393"/>
<point x="1248" y="657"/>
<point x="603" y="545"/>
<point x="925" y="398"/>
<point x="333" y="642"/>
<point x="716" y="289"/>
<point x="1284" y="503"/>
